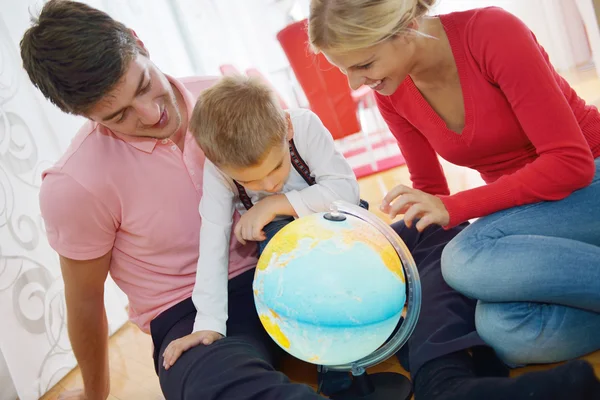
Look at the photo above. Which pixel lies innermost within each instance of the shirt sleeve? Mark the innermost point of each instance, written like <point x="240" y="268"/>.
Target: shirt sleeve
<point x="210" y="290"/>
<point x="78" y="225"/>
<point x="510" y="57"/>
<point x="334" y="177"/>
<point x="425" y="170"/>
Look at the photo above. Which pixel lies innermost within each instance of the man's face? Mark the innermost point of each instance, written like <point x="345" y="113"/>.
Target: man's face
<point x="142" y="104"/>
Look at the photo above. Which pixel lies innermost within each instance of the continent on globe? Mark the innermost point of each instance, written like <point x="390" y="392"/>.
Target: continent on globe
<point x="329" y="292"/>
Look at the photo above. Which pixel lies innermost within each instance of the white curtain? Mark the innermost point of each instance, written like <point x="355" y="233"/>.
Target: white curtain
<point x="184" y="38"/>
<point x="34" y="347"/>
<point x="196" y="37"/>
<point x="237" y="32"/>
<point x="7" y="389"/>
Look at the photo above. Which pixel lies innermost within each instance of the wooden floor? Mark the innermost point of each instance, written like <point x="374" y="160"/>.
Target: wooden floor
<point x="133" y="377"/>
<point x="132" y="373"/>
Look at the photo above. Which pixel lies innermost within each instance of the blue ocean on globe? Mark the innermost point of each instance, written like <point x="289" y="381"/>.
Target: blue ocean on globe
<point x="329" y="292"/>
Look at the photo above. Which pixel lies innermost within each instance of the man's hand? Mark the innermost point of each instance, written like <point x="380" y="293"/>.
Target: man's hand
<point x="176" y="348"/>
<point x="415" y="204"/>
<point x="251" y="224"/>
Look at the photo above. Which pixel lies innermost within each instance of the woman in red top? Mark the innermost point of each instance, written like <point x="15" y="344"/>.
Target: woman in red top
<point x="477" y="89"/>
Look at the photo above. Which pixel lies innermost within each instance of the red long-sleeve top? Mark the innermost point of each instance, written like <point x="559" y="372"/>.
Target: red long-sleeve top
<point x="526" y="131"/>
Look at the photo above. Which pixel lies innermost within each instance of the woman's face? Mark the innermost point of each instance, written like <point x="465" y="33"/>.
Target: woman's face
<point x="382" y="67"/>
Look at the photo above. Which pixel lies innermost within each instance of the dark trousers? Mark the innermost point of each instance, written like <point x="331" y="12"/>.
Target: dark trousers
<point x="237" y="367"/>
<point x="447" y="318"/>
<point x="242" y="365"/>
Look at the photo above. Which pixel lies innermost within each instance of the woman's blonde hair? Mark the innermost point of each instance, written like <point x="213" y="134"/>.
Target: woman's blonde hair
<point x="346" y="25"/>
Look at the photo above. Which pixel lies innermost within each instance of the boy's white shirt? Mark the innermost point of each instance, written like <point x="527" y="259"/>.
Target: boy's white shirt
<point x="334" y="180"/>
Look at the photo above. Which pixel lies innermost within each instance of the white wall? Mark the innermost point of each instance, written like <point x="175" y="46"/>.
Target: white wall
<point x="556" y="24"/>
<point x="586" y="10"/>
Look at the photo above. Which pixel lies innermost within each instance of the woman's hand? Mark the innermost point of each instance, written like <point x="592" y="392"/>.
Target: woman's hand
<point x="415" y="204"/>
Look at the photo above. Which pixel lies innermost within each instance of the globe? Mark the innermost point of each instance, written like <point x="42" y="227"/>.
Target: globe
<point x="330" y="290"/>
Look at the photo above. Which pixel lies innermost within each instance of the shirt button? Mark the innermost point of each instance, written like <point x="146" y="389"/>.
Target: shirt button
<point x="174" y="147"/>
<point x="198" y="187"/>
<point x="192" y="172"/>
<point x="164" y="141"/>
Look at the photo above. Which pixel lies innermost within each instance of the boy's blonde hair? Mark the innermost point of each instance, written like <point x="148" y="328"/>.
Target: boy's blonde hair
<point x="340" y="26"/>
<point x="238" y="121"/>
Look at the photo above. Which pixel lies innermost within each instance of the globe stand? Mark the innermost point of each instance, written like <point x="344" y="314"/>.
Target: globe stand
<point x="382" y="385"/>
<point x="379" y="386"/>
<point x="387" y="385"/>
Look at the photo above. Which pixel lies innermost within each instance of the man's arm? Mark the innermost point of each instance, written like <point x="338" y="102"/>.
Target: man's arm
<point x="86" y="321"/>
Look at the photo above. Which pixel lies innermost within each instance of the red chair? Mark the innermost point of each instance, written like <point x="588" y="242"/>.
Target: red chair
<point x="197" y="84"/>
<point x="253" y="72"/>
<point x="325" y="87"/>
<point x="229" y="69"/>
<point x="341" y="109"/>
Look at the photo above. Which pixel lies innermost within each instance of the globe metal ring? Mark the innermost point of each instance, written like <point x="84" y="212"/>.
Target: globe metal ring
<point x="413" y="295"/>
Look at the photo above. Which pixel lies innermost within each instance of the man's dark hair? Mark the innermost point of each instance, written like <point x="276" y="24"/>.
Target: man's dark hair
<point x="75" y="54"/>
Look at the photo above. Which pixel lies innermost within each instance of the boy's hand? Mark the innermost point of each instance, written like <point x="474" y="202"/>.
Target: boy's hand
<point x="251" y="224"/>
<point x="178" y="346"/>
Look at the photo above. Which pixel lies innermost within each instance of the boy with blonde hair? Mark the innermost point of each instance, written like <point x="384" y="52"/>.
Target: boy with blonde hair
<point x="268" y="164"/>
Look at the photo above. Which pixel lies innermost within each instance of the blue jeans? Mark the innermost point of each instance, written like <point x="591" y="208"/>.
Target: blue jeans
<point x="535" y="271"/>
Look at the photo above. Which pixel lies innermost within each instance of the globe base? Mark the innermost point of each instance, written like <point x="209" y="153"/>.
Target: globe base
<point x="379" y="386"/>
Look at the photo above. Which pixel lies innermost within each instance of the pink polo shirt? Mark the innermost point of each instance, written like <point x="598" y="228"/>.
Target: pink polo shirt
<point x="138" y="197"/>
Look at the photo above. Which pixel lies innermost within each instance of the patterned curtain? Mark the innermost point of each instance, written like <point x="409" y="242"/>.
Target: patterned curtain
<point x="33" y="338"/>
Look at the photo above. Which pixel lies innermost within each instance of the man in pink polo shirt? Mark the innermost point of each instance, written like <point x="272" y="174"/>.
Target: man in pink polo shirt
<point x="124" y="199"/>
